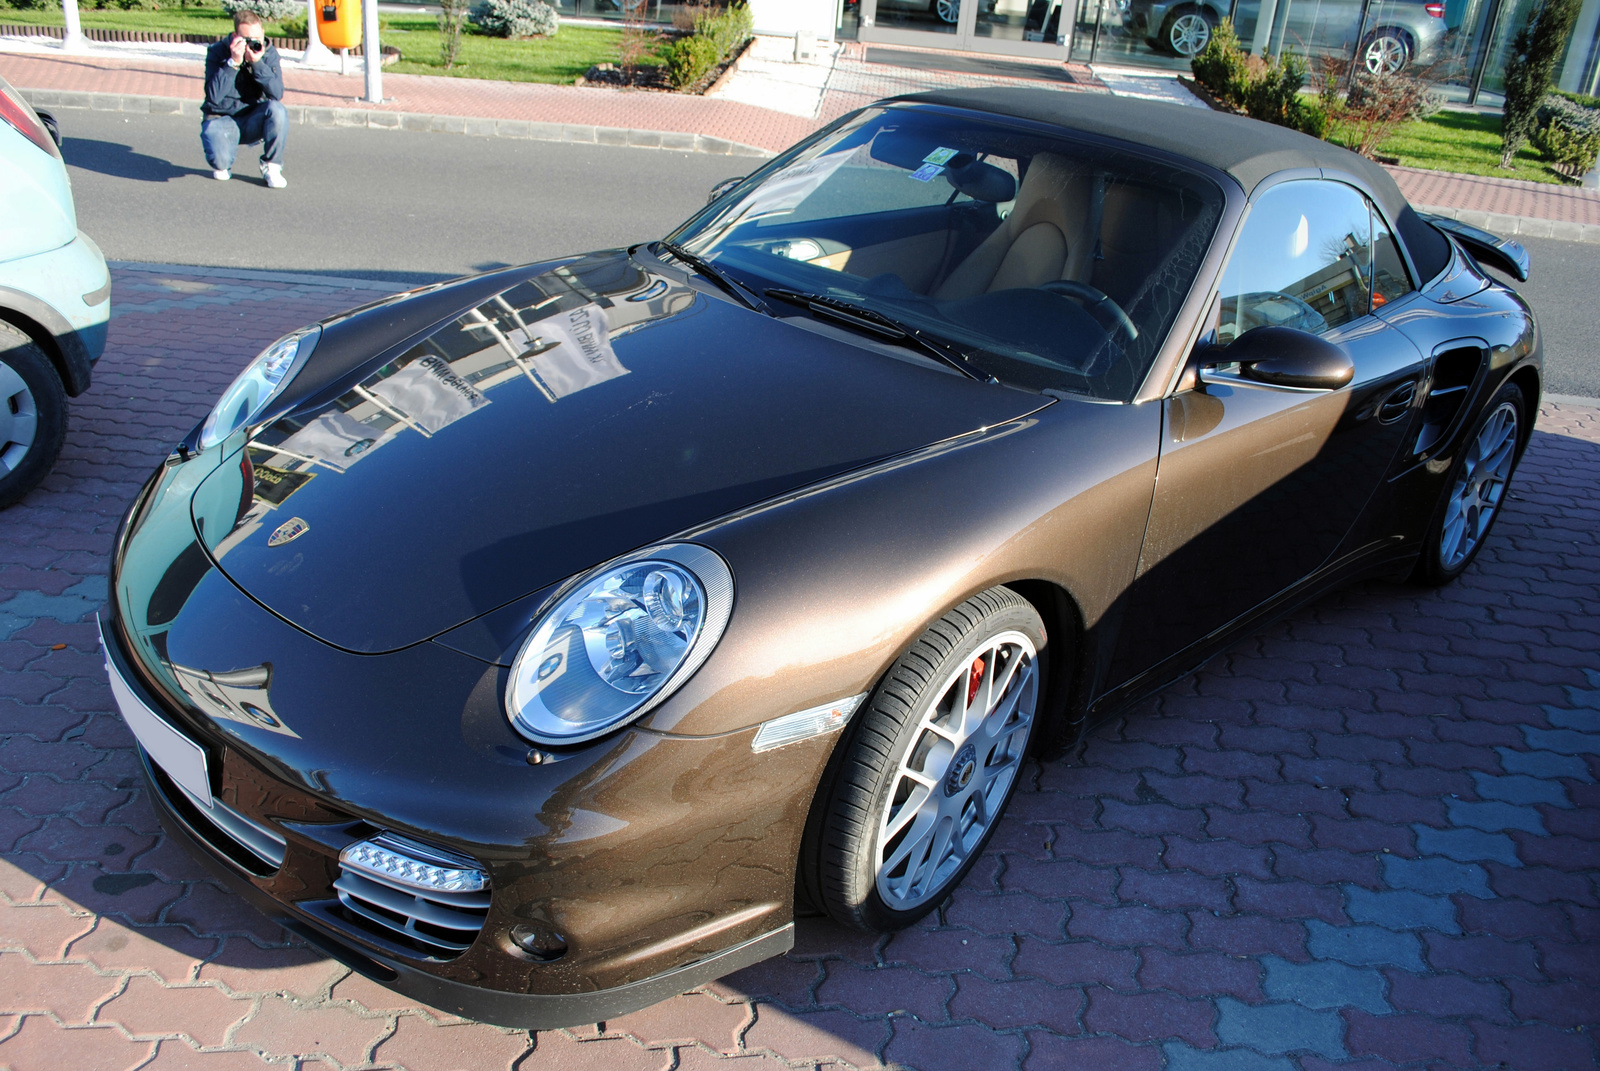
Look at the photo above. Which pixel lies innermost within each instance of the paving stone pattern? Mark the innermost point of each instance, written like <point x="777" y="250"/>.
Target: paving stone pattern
<point x="1363" y="839"/>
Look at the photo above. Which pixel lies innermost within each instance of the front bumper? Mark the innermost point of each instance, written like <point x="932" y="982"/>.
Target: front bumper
<point x="288" y="874"/>
<point x="657" y="861"/>
<point x="66" y="291"/>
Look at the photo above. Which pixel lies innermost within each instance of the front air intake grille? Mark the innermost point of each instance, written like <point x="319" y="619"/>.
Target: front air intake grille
<point x="426" y="899"/>
<point x="253" y="845"/>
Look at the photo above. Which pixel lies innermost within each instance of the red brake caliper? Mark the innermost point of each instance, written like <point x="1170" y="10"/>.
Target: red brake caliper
<point x="973" y="679"/>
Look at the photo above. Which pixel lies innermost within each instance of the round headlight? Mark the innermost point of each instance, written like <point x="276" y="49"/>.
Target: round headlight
<point x="620" y="641"/>
<point x="250" y="394"/>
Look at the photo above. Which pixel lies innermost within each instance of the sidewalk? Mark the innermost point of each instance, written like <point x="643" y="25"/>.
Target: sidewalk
<point x="731" y="120"/>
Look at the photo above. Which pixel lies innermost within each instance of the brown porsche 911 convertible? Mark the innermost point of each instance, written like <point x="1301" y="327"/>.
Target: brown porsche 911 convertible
<point x="532" y="642"/>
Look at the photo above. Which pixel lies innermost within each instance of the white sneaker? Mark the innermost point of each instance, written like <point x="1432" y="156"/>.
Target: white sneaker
<point x="273" y="173"/>
<point x="222" y="176"/>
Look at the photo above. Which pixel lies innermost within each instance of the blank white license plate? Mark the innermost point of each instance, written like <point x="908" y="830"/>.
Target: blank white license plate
<point x="180" y="758"/>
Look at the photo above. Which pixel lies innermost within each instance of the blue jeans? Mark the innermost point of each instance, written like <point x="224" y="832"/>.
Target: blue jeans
<point x="265" y="121"/>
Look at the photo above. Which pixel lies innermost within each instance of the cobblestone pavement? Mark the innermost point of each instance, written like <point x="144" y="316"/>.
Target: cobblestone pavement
<point x="1366" y="837"/>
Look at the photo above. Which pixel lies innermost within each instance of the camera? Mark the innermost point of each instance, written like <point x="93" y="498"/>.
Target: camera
<point x="254" y="44"/>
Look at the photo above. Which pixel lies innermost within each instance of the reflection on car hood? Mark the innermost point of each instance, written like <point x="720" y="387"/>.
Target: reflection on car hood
<point x="576" y="416"/>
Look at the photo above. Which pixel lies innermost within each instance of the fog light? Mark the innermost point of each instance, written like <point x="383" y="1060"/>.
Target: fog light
<point x="406" y="862"/>
<point x="540" y="942"/>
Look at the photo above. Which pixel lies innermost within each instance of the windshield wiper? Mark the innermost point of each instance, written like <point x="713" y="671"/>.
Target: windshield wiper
<point x="884" y="326"/>
<point x="743" y="293"/>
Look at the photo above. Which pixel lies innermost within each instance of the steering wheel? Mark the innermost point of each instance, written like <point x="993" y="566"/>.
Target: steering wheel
<point x="1099" y="305"/>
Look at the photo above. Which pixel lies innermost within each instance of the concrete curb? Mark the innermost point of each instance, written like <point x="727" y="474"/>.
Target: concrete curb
<point x="1570" y="399"/>
<point x="307" y="115"/>
<point x="1528" y="226"/>
<point x="334" y="282"/>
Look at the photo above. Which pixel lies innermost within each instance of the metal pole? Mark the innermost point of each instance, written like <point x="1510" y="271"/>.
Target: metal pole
<point x="72" y="41"/>
<point x="372" y="49"/>
<point x="1265" y="17"/>
<point x="1099" y="16"/>
<point x="1496" y="8"/>
<point x="317" y="53"/>
<point x="1361" y="32"/>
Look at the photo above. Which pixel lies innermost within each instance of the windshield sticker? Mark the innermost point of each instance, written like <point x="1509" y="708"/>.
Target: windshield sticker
<point x="940" y="156"/>
<point x="927" y="172"/>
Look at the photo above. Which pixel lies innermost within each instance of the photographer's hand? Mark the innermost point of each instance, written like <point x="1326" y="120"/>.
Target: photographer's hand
<point x="236" y="49"/>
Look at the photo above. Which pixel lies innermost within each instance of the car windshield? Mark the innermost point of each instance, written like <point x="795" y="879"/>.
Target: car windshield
<point x="1045" y="260"/>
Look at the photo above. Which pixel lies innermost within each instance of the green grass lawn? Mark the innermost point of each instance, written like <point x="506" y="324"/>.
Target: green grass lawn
<point x="557" y="59"/>
<point x="1464" y="142"/>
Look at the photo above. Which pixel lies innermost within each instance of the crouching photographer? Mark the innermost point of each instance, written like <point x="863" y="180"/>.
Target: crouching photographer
<point x="244" y="101"/>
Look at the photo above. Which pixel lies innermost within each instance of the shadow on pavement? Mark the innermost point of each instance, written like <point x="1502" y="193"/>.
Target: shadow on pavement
<point x="120" y="161"/>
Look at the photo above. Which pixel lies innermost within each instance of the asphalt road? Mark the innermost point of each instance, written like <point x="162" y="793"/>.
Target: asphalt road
<point x="1564" y="290"/>
<point x="418" y="207"/>
<point x="383" y="204"/>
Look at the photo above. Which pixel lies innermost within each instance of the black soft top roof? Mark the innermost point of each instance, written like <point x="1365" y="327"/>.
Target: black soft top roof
<point x="1246" y="149"/>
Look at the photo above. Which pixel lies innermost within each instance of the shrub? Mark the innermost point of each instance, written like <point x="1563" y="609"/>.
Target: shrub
<point x="1567" y="135"/>
<point x="515" y="18"/>
<point x="1375" y="105"/>
<point x="268" y="10"/>
<point x="1268" y="90"/>
<point x="1274" y="97"/>
<point x="291" y="28"/>
<point x="689" y="59"/>
<point x="1535" y="51"/>
<point x="716" y="39"/>
<point x="727" y="30"/>
<point x="1222" y="68"/>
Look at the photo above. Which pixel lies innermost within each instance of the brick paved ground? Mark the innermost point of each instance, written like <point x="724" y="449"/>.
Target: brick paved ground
<point x="1365" y="838"/>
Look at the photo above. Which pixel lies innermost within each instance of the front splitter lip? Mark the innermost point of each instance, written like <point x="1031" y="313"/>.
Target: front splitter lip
<point x="522" y="1011"/>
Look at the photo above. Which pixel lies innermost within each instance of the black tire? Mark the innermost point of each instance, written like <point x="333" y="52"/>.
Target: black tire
<point x="1395" y="42"/>
<point x="1190" y="45"/>
<point x="33" y="424"/>
<point x="1438" y="565"/>
<point x="838" y="865"/>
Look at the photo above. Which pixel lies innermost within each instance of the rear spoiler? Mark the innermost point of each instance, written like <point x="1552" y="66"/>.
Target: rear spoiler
<point x="1493" y="250"/>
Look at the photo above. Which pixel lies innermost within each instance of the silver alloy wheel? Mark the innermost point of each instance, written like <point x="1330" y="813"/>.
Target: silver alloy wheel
<point x="1385" y="54"/>
<point x="957" y="772"/>
<point x="19" y="419"/>
<point x="948" y="10"/>
<point x="1479" y="487"/>
<point x="1189" y="34"/>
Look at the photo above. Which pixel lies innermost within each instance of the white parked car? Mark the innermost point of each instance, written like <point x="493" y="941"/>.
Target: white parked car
<point x="55" y="297"/>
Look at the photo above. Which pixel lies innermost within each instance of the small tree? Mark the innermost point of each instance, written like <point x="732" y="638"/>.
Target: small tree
<point x="452" y="16"/>
<point x="1535" y="51"/>
<point x="637" y="42"/>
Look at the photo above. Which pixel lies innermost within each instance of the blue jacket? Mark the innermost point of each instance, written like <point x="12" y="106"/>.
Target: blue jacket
<point x="231" y="90"/>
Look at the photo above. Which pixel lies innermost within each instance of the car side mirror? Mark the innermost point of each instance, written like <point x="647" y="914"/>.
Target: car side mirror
<point x="723" y="187"/>
<point x="1281" y="357"/>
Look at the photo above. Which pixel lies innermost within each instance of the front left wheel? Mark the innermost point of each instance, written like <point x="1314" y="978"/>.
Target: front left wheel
<point x="919" y="784"/>
<point x="33" y="414"/>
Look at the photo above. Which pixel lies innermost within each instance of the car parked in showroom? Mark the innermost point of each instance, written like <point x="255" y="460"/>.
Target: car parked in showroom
<point x="1394" y="35"/>
<point x="534" y="642"/>
<point x="55" y="297"/>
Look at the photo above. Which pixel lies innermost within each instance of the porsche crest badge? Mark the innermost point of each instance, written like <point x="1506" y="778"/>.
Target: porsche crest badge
<point x="288" y="532"/>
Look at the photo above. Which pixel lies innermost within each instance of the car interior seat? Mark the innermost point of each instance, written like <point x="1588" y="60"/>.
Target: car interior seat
<point x="1040" y="241"/>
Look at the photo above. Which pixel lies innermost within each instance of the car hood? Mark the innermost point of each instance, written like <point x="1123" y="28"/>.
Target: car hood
<point x="522" y="437"/>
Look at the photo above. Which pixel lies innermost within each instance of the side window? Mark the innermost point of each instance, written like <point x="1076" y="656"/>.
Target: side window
<point x="1302" y="261"/>
<point x="1389" y="278"/>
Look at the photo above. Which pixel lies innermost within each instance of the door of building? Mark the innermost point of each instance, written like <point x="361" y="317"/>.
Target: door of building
<point x="1034" y="28"/>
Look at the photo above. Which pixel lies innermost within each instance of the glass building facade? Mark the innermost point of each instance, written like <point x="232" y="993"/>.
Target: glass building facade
<point x="1460" y="44"/>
